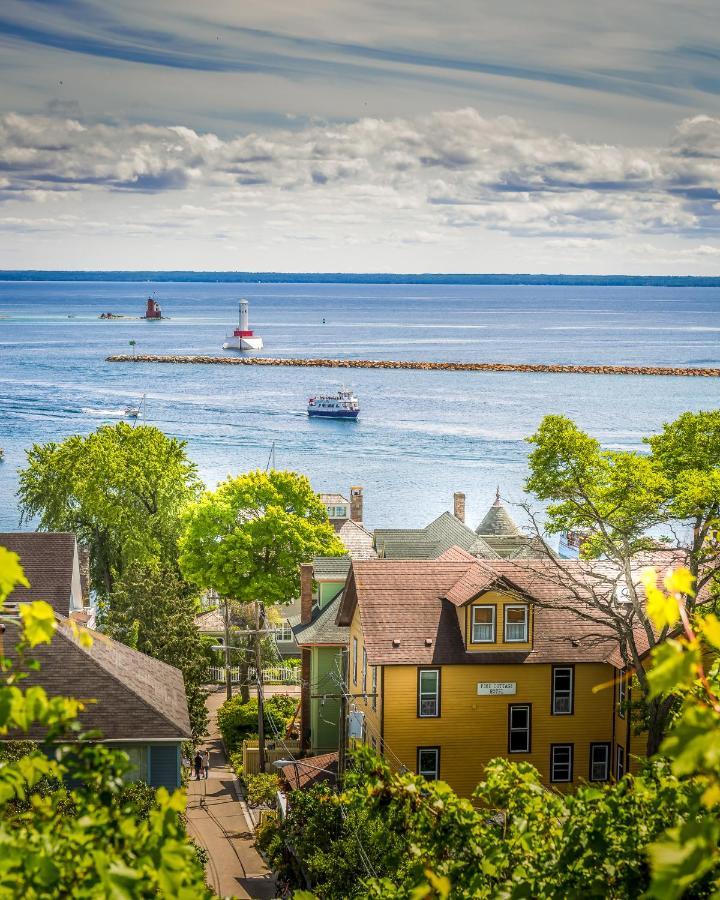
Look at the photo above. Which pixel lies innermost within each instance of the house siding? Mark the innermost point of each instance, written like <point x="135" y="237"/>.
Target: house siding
<point x="472" y="729"/>
<point x="363" y="702"/>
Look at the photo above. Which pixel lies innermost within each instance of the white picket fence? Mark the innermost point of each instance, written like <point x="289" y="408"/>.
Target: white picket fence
<point x="270" y="675"/>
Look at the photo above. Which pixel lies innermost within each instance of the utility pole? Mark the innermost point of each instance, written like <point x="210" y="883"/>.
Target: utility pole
<point x="342" y="724"/>
<point x="259" y="674"/>
<point x="226" y="623"/>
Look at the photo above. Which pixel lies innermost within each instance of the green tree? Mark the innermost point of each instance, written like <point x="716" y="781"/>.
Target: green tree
<point x="247" y="539"/>
<point x="621" y="501"/>
<point x="153" y="610"/>
<point x="119" y="489"/>
<point x="68" y="826"/>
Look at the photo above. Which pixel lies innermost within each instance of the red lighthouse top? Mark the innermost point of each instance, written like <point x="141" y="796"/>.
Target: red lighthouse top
<point x="152" y="310"/>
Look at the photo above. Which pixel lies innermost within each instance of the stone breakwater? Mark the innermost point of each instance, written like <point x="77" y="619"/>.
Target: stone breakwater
<point x="422" y="366"/>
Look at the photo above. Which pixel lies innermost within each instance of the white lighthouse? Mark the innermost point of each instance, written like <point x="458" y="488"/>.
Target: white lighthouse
<point x="243" y="338"/>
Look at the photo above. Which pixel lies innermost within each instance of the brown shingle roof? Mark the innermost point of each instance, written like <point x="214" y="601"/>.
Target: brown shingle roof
<point x="313" y="770"/>
<point x="48" y="558"/>
<point x="414" y="602"/>
<point x="137" y="697"/>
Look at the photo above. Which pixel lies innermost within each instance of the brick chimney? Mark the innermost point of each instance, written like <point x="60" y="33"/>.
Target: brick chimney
<point x="459" y="505"/>
<point x="356" y="504"/>
<point x="306" y="593"/>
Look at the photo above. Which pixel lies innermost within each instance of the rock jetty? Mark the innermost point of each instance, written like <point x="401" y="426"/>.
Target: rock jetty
<point x="422" y="366"/>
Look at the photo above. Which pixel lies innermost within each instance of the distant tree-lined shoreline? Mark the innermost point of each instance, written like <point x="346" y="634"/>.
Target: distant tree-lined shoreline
<point x="365" y="278"/>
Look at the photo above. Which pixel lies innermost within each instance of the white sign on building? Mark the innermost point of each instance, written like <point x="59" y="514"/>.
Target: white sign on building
<point x="489" y="688"/>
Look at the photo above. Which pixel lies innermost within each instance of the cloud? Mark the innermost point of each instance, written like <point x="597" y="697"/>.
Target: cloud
<point x="428" y="175"/>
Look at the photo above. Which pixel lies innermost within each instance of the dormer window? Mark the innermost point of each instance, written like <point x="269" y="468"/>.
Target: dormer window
<point x="483" y="624"/>
<point x="516" y="624"/>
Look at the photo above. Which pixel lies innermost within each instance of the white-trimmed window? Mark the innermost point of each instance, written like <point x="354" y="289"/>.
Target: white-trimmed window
<point x="599" y="762"/>
<point x="428" y="693"/>
<point x="355" y="660"/>
<point x="374" y="687"/>
<point x="516" y="624"/>
<point x="619" y="762"/>
<point x="561" y="763"/>
<point x="562" y="690"/>
<point x="519" y="722"/>
<point x="283" y="632"/>
<point x="483" y="625"/>
<point x="622" y="692"/>
<point x="364" y="672"/>
<point x="428" y="762"/>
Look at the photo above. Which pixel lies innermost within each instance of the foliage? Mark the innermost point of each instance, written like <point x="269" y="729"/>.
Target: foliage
<point x="248" y="538"/>
<point x="236" y="762"/>
<point x="153" y="610"/>
<point x="119" y="489"/>
<point x="619" y="500"/>
<point x="68" y="825"/>
<point x="238" y="721"/>
<point x="262" y="789"/>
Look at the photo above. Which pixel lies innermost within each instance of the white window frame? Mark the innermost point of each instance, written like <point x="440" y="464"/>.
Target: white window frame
<point x="507" y="639"/>
<point x="373" y="682"/>
<point x="283" y="632"/>
<point x="474" y="624"/>
<point x="427" y="772"/>
<point x="622" y="692"/>
<point x="566" y="766"/>
<point x="428" y="696"/>
<point x="562" y="693"/>
<point x="364" y="671"/>
<point x="619" y="761"/>
<point x="355" y="660"/>
<point x="605" y="763"/>
<point x="514" y="730"/>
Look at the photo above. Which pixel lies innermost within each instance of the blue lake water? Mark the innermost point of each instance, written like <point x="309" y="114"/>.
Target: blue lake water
<point x="421" y="435"/>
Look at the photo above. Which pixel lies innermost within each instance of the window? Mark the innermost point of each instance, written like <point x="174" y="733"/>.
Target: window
<point x="619" y="762"/>
<point x="561" y="762"/>
<point x="428" y="762"/>
<point x="337" y="512"/>
<point x="374" y="687"/>
<point x="519" y="728"/>
<point x="621" y="692"/>
<point x="428" y="693"/>
<point x="483" y="625"/>
<point x="516" y="624"/>
<point x="355" y="660"/>
<point x="599" y="762"/>
<point x="364" y="673"/>
<point x="283" y="632"/>
<point x="562" y="690"/>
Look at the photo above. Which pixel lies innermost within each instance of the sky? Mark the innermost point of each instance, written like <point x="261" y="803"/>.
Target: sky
<point x="363" y="136"/>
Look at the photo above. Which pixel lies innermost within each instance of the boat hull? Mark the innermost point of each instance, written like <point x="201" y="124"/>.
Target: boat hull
<point x="333" y="414"/>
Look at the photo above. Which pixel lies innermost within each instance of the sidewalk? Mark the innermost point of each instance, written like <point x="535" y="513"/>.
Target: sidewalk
<point x="217" y="822"/>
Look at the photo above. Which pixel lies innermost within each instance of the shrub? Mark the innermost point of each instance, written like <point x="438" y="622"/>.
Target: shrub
<point x="237" y="763"/>
<point x="262" y="789"/>
<point x="238" y="720"/>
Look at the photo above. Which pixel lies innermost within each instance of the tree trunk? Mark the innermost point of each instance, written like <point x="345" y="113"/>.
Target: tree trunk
<point x="244" y="686"/>
<point x="658" y="717"/>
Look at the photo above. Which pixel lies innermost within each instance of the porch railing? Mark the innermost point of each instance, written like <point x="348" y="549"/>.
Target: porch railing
<point x="270" y="674"/>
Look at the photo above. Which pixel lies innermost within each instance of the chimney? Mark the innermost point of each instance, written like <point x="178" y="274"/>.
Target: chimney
<point x="306" y="593"/>
<point x="356" y="504"/>
<point x="459" y="506"/>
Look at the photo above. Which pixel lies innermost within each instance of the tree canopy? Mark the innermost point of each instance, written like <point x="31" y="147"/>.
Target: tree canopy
<point x="247" y="539"/>
<point x="119" y="489"/>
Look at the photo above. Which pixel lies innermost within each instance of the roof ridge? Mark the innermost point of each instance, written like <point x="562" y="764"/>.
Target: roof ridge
<point x="86" y="651"/>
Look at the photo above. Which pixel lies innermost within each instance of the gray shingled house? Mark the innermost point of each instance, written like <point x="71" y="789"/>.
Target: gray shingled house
<point x="139" y="702"/>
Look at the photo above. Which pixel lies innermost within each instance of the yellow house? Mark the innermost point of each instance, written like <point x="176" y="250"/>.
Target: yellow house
<point x="454" y="661"/>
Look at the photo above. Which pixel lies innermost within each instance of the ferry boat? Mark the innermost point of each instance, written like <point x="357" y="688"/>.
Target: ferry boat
<point x="343" y="405"/>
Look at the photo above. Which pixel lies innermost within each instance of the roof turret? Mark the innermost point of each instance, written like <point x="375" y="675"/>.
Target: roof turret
<point x="497" y="520"/>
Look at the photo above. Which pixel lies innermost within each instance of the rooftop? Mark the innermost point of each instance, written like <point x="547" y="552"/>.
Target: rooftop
<point x="322" y="628"/>
<point x="51" y="564"/>
<point x="136" y="697"/>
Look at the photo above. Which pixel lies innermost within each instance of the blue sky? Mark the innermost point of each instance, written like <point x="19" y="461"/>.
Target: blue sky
<point x="363" y="136"/>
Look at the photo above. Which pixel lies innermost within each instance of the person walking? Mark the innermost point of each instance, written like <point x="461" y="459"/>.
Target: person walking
<point x="198" y="765"/>
<point x="206" y="762"/>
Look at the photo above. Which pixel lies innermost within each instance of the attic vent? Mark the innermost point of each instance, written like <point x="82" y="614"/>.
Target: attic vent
<point x="396" y="642"/>
<point x="428" y="642"/>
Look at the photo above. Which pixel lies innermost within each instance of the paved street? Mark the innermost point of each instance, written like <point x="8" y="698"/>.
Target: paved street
<point x="216" y="821"/>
